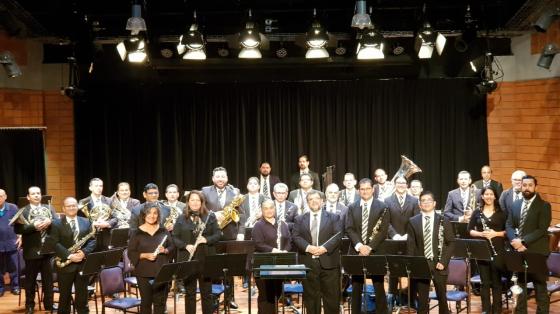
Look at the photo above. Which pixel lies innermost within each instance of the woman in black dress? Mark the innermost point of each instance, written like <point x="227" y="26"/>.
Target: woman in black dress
<point x="149" y="248"/>
<point x="488" y="222"/>
<point x="196" y="223"/>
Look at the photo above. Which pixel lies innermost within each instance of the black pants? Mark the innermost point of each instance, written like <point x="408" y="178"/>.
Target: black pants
<point x="541" y="293"/>
<point x="421" y="287"/>
<point x="490" y="280"/>
<point x="65" y="282"/>
<point x="321" y="284"/>
<point x="205" y="294"/>
<point x="155" y="295"/>
<point x="269" y="291"/>
<point x="9" y="263"/>
<point x="32" y="269"/>
<point x="380" y="296"/>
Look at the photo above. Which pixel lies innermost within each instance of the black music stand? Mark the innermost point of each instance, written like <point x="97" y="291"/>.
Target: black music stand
<point x="265" y="260"/>
<point x="358" y="265"/>
<point x="169" y="272"/>
<point x="248" y="234"/>
<point x="95" y="262"/>
<point x="119" y="238"/>
<point x="525" y="262"/>
<point x="392" y="247"/>
<point x="410" y="267"/>
<point x="223" y="265"/>
<point x="239" y="247"/>
<point x="460" y="230"/>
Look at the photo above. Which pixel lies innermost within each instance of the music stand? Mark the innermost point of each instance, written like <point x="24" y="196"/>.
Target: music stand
<point x="265" y="262"/>
<point x="239" y="247"/>
<point x="526" y="262"/>
<point x="169" y="272"/>
<point x="358" y="265"/>
<point x="248" y="234"/>
<point x="410" y="267"/>
<point x="392" y="247"/>
<point x="460" y="230"/>
<point x="95" y="262"/>
<point x="223" y="265"/>
<point x="119" y="238"/>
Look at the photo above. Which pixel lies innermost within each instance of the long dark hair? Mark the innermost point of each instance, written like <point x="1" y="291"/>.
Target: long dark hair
<point x="203" y="210"/>
<point x="497" y="207"/>
<point x="146" y="209"/>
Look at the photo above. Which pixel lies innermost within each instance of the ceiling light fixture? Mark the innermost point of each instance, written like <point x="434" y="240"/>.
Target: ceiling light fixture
<point x="10" y="65"/>
<point x="316" y="39"/>
<point x="250" y="40"/>
<point x="547" y="56"/>
<point x="133" y="49"/>
<point x="370" y="45"/>
<point x="488" y="83"/>
<point x="191" y="44"/>
<point x="135" y="24"/>
<point x="361" y="19"/>
<point x="543" y="23"/>
<point x="427" y="38"/>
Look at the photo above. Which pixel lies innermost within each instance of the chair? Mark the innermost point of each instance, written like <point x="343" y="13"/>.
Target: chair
<point x="111" y="282"/>
<point x="297" y="289"/>
<point x="127" y="268"/>
<point x="370" y="293"/>
<point x="21" y="275"/>
<point x="457" y="276"/>
<point x="553" y="263"/>
<point x="505" y="288"/>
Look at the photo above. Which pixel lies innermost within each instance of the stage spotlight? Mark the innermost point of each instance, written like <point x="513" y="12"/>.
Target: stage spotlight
<point x="469" y="32"/>
<point x="10" y="65"/>
<point x="488" y="83"/>
<point x="250" y="39"/>
<point x="370" y="45"/>
<point x="486" y="87"/>
<point x="547" y="56"/>
<point x="426" y="40"/>
<point x="361" y="19"/>
<point x="546" y="19"/>
<point x="317" y="39"/>
<point x="133" y="49"/>
<point x="191" y="44"/>
<point x="136" y="23"/>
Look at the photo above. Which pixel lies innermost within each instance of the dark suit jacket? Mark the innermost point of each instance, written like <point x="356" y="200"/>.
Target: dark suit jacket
<point x="506" y="200"/>
<point x="536" y="225"/>
<point x="212" y="203"/>
<point x="497" y="186"/>
<point x="343" y="199"/>
<point x="342" y="212"/>
<point x="273" y="180"/>
<point x="354" y="224"/>
<point x="7" y="235"/>
<point x="245" y="207"/>
<point x="290" y="213"/>
<point x="415" y="240"/>
<point x="294" y="180"/>
<point x="31" y="237"/>
<point x="330" y="226"/>
<point x="135" y="216"/>
<point x="401" y="216"/>
<point x="454" y="204"/>
<point x="183" y="234"/>
<point x="61" y="238"/>
<point x="294" y="194"/>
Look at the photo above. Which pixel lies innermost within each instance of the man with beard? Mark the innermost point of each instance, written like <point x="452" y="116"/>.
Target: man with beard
<point x="382" y="189"/>
<point x="303" y="164"/>
<point x="527" y="229"/>
<point x="512" y="194"/>
<point x="267" y="180"/>
<point x="299" y="196"/>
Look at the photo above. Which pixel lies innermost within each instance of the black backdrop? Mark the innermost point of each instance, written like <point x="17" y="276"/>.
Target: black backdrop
<point x="22" y="161"/>
<point x="171" y="133"/>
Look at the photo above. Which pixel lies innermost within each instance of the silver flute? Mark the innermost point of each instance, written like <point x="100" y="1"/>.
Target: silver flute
<point x="156" y="251"/>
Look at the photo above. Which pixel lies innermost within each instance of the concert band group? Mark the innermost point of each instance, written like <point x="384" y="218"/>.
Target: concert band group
<point x="300" y="218"/>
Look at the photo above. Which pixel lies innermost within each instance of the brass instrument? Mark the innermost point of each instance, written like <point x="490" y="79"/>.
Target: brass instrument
<point x="471" y="204"/>
<point x="440" y="238"/>
<point x="37" y="214"/>
<point x="200" y="228"/>
<point x="377" y="226"/>
<point x="75" y="248"/>
<point x="156" y="251"/>
<point x="174" y="213"/>
<point x="230" y="212"/>
<point x="97" y="213"/>
<point x="486" y="228"/>
<point x="121" y="213"/>
<point x="516" y="290"/>
<point x="406" y="169"/>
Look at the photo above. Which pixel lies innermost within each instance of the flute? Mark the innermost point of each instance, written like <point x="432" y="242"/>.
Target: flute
<point x="156" y="251"/>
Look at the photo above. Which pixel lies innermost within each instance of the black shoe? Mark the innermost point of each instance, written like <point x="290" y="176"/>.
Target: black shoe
<point x="15" y="291"/>
<point x="233" y="305"/>
<point x="53" y="307"/>
<point x="29" y="310"/>
<point x="1" y="293"/>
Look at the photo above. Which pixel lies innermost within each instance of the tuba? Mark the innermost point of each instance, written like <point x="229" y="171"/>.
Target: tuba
<point x="230" y="212"/>
<point x="407" y="168"/>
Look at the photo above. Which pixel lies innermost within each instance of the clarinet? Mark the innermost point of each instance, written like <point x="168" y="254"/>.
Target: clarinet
<point x="279" y="234"/>
<point x="440" y="239"/>
<point x="486" y="228"/>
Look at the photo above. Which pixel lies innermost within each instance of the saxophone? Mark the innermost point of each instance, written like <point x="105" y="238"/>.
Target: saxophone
<point x="200" y="230"/>
<point x="230" y="213"/>
<point x="377" y="226"/>
<point x="75" y="248"/>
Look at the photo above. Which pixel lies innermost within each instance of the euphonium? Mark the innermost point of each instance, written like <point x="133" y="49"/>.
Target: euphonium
<point x="230" y="212"/>
<point x="407" y="168"/>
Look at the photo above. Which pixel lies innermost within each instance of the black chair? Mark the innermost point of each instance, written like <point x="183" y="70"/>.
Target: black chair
<point x="129" y="280"/>
<point x="111" y="282"/>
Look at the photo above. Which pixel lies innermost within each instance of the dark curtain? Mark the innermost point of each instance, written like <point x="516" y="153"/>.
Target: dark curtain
<point x="179" y="133"/>
<point x="23" y="161"/>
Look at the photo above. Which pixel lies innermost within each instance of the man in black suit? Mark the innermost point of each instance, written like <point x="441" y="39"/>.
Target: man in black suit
<point x="317" y="236"/>
<point x="332" y="205"/>
<point x="512" y="194"/>
<point x="285" y="210"/>
<point x="251" y="206"/>
<point x="383" y="188"/>
<point x="486" y="173"/>
<point x="122" y="205"/>
<point x="97" y="208"/>
<point x="303" y="164"/>
<point x="267" y="180"/>
<point x="402" y="207"/>
<point x="527" y="229"/>
<point x="415" y="188"/>
<point x="65" y="233"/>
<point x="350" y="194"/>
<point x="299" y="196"/>
<point x="426" y="238"/>
<point x="33" y="224"/>
<point x="456" y="206"/>
<point x="9" y="244"/>
<point x="151" y="195"/>
<point x="363" y="216"/>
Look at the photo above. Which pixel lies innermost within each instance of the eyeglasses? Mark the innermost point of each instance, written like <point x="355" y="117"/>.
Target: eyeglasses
<point x="426" y="201"/>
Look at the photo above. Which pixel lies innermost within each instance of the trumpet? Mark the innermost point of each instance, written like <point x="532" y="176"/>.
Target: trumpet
<point x="156" y="251"/>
